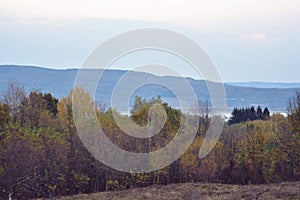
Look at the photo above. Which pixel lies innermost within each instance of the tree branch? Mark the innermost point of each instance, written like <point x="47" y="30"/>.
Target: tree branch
<point x="261" y="193"/>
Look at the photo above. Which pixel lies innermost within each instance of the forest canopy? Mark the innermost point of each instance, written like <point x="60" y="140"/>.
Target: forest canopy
<point x="41" y="154"/>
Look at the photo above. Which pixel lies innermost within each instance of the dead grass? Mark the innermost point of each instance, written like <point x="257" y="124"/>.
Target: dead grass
<point x="196" y="191"/>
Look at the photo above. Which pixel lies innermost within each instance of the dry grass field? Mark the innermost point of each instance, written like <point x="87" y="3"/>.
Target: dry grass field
<point x="195" y="191"/>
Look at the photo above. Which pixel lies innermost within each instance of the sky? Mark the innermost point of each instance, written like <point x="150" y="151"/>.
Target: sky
<point x="248" y="40"/>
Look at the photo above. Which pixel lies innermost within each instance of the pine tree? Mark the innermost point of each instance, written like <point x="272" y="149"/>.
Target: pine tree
<point x="253" y="115"/>
<point x="259" y="112"/>
<point x="266" y="114"/>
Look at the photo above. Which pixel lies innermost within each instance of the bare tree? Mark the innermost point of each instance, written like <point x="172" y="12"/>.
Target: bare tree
<point x="294" y="104"/>
<point x="13" y="96"/>
<point x="204" y="111"/>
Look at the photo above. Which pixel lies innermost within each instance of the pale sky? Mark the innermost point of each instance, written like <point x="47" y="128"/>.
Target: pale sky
<point x="249" y="40"/>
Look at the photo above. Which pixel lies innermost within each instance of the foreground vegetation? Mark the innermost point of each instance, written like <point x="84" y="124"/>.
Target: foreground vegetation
<point x="41" y="154"/>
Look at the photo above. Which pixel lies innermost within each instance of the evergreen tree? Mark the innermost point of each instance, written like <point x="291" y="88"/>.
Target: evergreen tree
<point x="266" y="114"/>
<point x="235" y="116"/>
<point x="253" y="115"/>
<point x="248" y="114"/>
<point x="51" y="103"/>
<point x="259" y="112"/>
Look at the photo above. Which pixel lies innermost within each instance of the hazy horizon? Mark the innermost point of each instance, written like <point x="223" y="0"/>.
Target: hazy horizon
<point x="248" y="40"/>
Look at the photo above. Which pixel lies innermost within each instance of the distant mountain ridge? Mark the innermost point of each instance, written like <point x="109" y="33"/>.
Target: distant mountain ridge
<point x="60" y="82"/>
<point x="258" y="84"/>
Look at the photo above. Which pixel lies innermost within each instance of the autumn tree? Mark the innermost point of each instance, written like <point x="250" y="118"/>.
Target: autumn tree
<point x="41" y="154"/>
<point x="231" y="138"/>
<point x="4" y="115"/>
<point x="293" y="141"/>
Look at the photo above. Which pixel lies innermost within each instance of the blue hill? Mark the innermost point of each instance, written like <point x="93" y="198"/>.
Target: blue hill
<point x="60" y="82"/>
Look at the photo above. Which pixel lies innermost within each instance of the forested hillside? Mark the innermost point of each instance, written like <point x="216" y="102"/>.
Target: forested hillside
<point x="41" y="154"/>
<point x="60" y="82"/>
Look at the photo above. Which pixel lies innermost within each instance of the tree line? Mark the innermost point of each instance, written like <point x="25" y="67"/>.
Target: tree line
<point x="41" y="154"/>
<point x="239" y="115"/>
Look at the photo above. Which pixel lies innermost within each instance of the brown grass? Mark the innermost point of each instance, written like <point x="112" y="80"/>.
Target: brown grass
<point x="196" y="191"/>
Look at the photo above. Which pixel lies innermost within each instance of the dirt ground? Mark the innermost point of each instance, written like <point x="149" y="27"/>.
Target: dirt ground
<point x="195" y="191"/>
